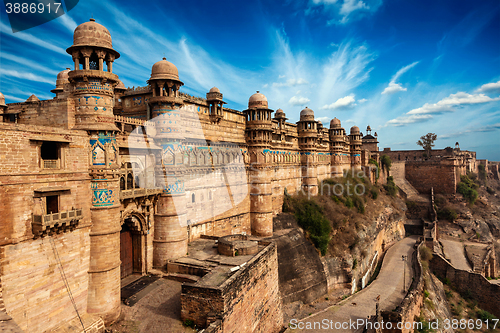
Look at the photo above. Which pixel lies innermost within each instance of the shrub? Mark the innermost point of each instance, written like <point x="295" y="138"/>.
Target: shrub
<point x="310" y="217"/>
<point x="426" y="293"/>
<point x="425" y="253"/>
<point x="439" y="200"/>
<point x="391" y="187"/>
<point x="386" y="162"/>
<point x="484" y="315"/>
<point x="482" y="172"/>
<point x="359" y="204"/>
<point x="348" y="202"/>
<point x="467" y="188"/>
<point x="490" y="190"/>
<point x="189" y="323"/>
<point x="447" y="213"/>
<point x="354" y="264"/>
<point x="374" y="193"/>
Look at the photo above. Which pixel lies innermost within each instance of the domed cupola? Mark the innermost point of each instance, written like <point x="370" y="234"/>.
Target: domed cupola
<point x="62" y="79"/>
<point x="257" y="101"/>
<point x="92" y="46"/>
<point x="259" y="120"/>
<point x="164" y="80"/>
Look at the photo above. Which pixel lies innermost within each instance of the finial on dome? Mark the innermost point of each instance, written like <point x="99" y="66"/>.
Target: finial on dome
<point x="164" y="58"/>
<point x="92" y="19"/>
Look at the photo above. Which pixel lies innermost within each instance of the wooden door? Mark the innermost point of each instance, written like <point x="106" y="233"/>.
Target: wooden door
<point x="126" y="252"/>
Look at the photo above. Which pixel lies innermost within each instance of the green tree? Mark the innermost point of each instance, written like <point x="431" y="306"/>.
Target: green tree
<point x="427" y="142"/>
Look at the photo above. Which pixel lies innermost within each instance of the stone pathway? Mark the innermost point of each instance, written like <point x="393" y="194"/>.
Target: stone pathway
<point x="389" y="285"/>
<point x="157" y="312"/>
<point x="454" y="251"/>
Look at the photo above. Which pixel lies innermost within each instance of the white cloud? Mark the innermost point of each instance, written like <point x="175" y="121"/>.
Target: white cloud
<point x="298" y="101"/>
<point x="290" y="83"/>
<point x="363" y="100"/>
<point x="405" y="120"/>
<point x="346" y="102"/>
<point x="343" y="11"/>
<point x="493" y="87"/>
<point x="324" y="120"/>
<point x="447" y="104"/>
<point x="394" y="87"/>
<point x="281" y="76"/>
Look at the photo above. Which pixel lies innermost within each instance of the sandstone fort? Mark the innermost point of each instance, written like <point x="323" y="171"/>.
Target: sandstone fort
<point x="104" y="181"/>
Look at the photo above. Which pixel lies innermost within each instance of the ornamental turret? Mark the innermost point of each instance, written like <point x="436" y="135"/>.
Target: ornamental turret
<point x="258" y="121"/>
<point x="215" y="105"/>
<point x="355" y="147"/>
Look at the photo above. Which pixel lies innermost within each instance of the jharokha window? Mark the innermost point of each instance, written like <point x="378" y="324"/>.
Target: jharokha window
<point x="50" y="155"/>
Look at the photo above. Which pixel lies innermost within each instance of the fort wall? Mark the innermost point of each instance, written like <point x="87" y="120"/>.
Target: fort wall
<point x="438" y="174"/>
<point x="474" y="284"/>
<point x="238" y="301"/>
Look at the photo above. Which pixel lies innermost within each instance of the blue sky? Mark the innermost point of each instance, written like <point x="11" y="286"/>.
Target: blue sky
<point x="404" y="67"/>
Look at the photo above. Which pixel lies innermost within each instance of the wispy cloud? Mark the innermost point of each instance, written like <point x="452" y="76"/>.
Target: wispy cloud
<point x="347" y="102"/>
<point x="394" y="87"/>
<point x="447" y="104"/>
<point x="290" y="83"/>
<point x="67" y="22"/>
<point x="27" y="76"/>
<point x="344" y="11"/>
<point x="26" y="37"/>
<point x="29" y="63"/>
<point x="493" y="87"/>
<point x="480" y="129"/>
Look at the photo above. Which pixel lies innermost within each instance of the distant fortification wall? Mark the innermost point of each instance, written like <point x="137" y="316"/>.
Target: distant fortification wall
<point x="427" y="174"/>
<point x="474" y="284"/>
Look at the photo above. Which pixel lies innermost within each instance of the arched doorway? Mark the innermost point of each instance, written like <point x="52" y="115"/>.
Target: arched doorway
<point x="131" y="246"/>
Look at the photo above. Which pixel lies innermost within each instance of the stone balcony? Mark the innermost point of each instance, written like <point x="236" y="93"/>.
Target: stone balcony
<point x="139" y="192"/>
<point x="56" y="223"/>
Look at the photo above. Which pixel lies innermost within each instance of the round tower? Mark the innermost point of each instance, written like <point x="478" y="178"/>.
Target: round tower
<point x="355" y="148"/>
<point x="307" y="129"/>
<point x="337" y="147"/>
<point x="170" y="229"/>
<point x="259" y="136"/>
<point x="92" y="87"/>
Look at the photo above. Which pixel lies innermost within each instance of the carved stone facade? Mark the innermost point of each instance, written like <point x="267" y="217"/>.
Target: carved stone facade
<point x="100" y="166"/>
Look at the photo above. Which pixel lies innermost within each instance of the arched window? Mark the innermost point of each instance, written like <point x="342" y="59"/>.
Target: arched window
<point x="94" y="61"/>
<point x="122" y="183"/>
<point x="192" y="198"/>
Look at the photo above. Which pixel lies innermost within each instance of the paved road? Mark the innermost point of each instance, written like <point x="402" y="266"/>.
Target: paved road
<point x="455" y="251"/>
<point x="389" y="285"/>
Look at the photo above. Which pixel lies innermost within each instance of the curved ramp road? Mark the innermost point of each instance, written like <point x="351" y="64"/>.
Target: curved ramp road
<point x="454" y="250"/>
<point x="389" y="285"/>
